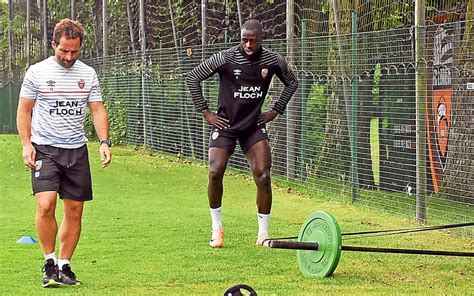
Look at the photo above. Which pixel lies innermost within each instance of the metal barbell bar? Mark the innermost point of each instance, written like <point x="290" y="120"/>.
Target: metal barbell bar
<point x="319" y="245"/>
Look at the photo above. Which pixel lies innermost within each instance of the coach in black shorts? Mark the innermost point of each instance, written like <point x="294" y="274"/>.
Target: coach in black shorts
<point x="51" y="113"/>
<point x="245" y="72"/>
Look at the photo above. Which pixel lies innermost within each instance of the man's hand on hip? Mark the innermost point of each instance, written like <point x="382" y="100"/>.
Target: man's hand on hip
<point x="214" y="119"/>
<point x="266" y="117"/>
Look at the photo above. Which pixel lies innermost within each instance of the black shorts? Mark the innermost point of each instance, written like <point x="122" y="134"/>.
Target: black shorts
<point x="65" y="171"/>
<point x="225" y="140"/>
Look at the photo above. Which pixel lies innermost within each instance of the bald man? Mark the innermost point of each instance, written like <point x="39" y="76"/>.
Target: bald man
<point x="245" y="72"/>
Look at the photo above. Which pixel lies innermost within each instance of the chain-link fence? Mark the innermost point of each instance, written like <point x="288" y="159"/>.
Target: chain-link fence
<point x="377" y="119"/>
<point x="113" y="27"/>
<point x="349" y="131"/>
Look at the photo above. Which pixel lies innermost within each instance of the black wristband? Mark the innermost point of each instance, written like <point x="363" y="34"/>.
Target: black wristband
<point x="106" y="141"/>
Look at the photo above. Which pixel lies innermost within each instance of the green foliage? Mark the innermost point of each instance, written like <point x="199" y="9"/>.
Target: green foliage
<point x="117" y="119"/>
<point x="117" y="109"/>
<point x="17" y="24"/>
<point x="59" y="9"/>
<point x="118" y="115"/>
<point x="391" y="18"/>
<point x="376" y="86"/>
<point x="315" y="119"/>
<point x="4" y="26"/>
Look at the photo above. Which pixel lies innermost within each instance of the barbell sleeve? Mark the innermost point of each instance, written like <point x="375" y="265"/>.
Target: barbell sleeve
<point x="276" y="244"/>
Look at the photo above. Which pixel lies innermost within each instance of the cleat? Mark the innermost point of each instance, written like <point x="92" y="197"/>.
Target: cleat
<point x="217" y="239"/>
<point x="263" y="240"/>
<point x="50" y="274"/>
<point x="67" y="277"/>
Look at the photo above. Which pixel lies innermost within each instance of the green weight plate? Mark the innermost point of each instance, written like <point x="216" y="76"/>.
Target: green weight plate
<point x="320" y="227"/>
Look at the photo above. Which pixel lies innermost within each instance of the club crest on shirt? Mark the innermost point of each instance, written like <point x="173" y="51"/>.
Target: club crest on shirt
<point x="237" y="73"/>
<point x="81" y="83"/>
<point x="264" y="73"/>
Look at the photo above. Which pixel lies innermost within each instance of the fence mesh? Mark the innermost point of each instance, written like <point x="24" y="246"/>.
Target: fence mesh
<point x="356" y="107"/>
<point x="185" y="22"/>
<point x="350" y="130"/>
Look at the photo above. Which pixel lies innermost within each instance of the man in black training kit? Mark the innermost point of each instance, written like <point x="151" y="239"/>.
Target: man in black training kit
<point x="245" y="72"/>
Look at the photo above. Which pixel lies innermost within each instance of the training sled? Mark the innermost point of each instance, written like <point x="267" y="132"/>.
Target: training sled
<point x="319" y="244"/>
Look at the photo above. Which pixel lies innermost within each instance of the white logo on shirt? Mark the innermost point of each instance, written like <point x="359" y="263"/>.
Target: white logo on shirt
<point x="237" y="73"/>
<point x="248" y="92"/>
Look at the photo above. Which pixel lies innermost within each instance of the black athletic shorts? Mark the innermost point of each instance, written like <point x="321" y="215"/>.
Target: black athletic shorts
<point x="65" y="171"/>
<point x="225" y="140"/>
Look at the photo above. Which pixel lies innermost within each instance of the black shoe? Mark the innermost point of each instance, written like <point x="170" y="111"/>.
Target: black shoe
<point x="50" y="274"/>
<point x="67" y="277"/>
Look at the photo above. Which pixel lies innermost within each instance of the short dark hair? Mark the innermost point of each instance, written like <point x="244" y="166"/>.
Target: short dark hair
<point x="253" y="25"/>
<point x="69" y="29"/>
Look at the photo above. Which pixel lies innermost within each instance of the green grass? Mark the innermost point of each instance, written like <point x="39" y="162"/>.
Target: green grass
<point x="147" y="231"/>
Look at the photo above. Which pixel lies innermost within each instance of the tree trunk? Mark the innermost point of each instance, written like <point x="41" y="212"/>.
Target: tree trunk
<point x="10" y="43"/>
<point x="334" y="160"/>
<point x="105" y="29"/>
<point x="457" y="183"/>
<point x="95" y="13"/>
<point x="130" y="27"/>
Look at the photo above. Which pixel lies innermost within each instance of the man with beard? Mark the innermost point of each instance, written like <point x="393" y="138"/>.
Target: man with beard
<point x="50" y="120"/>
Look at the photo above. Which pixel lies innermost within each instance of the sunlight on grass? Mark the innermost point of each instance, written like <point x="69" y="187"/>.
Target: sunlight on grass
<point x="146" y="233"/>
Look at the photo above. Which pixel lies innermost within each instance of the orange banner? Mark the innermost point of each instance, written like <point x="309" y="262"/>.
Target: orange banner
<point x="438" y="133"/>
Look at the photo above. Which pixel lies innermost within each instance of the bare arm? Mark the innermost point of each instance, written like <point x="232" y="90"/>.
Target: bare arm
<point x="23" y="123"/>
<point x="100" y="118"/>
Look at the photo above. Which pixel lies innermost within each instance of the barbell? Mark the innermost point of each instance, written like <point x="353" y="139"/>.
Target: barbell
<point x="319" y="244"/>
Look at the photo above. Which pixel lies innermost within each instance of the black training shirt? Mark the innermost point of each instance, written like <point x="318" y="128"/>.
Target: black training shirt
<point x="243" y="84"/>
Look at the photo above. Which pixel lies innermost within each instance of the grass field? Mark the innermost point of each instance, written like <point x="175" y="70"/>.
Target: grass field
<point x="147" y="231"/>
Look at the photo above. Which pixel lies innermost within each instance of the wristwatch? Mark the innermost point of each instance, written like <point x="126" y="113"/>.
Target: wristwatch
<point x="106" y="141"/>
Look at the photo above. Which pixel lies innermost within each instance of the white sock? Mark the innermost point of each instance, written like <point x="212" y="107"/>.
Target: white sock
<point x="62" y="262"/>
<point x="51" y="256"/>
<point x="216" y="218"/>
<point x="263" y="224"/>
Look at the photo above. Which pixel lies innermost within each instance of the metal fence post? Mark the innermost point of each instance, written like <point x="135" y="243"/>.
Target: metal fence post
<point x="142" y="65"/>
<point x="105" y="29"/>
<point x="291" y="117"/>
<point x="421" y="134"/>
<point x="204" y="88"/>
<point x="73" y="9"/>
<point x="354" y="110"/>
<point x="161" y="99"/>
<point x="45" y="29"/>
<point x="304" y="96"/>
<point x="28" y="34"/>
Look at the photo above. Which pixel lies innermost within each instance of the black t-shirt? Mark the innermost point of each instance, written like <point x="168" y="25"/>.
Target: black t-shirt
<point x="243" y="84"/>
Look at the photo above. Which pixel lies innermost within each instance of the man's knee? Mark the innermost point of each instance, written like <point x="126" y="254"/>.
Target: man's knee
<point x="216" y="174"/>
<point x="262" y="176"/>
<point x="46" y="208"/>
<point x="73" y="210"/>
